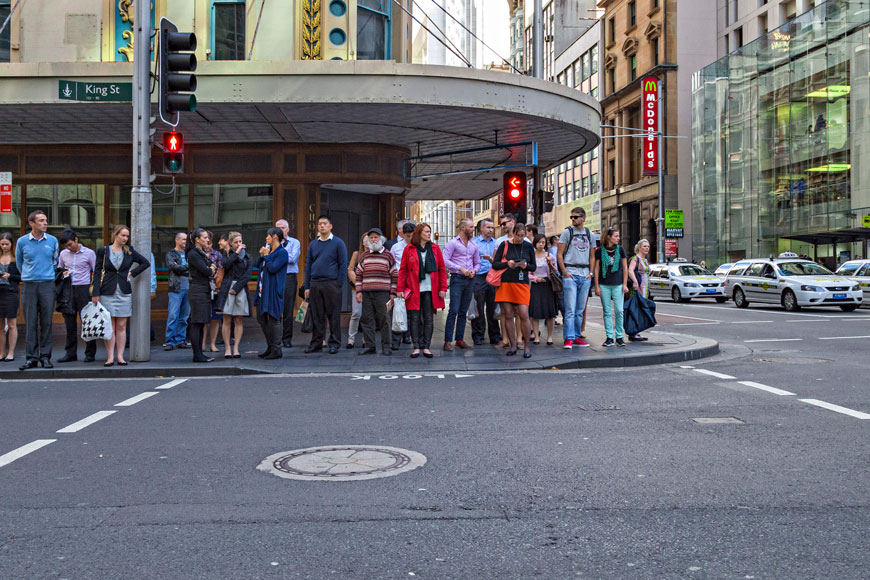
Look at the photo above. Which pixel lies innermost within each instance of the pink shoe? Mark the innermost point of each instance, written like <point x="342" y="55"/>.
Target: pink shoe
<point x="580" y="342"/>
<point x="568" y="344"/>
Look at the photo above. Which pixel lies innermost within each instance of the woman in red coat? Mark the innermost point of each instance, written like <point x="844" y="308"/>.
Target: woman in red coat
<point x="423" y="283"/>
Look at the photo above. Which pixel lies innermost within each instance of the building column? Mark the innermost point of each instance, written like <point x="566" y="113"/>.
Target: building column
<point x="622" y="152"/>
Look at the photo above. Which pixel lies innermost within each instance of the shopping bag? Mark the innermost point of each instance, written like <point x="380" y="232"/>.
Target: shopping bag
<point x="303" y="310"/>
<point x="400" y="315"/>
<point x="639" y="314"/>
<point x="96" y="322"/>
<point x="307" y="321"/>
<point x="472" y="310"/>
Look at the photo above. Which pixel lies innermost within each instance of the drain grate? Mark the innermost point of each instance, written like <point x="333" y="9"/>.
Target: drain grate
<point x="718" y="420"/>
<point x="342" y="463"/>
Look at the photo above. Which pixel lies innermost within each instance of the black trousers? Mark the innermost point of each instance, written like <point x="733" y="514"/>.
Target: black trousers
<point x="422" y="324"/>
<point x="484" y="295"/>
<point x="81" y="295"/>
<point x="374" y="316"/>
<point x="271" y="327"/>
<point x="324" y="300"/>
<point x="37" y="301"/>
<point x="289" y="309"/>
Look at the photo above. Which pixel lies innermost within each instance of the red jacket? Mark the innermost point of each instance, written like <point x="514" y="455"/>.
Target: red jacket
<point x="409" y="278"/>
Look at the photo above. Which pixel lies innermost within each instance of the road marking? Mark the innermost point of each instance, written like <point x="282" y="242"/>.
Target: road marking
<point x="171" y="384"/>
<point x="837" y="408"/>
<point x="793" y="321"/>
<point x="773" y="390"/>
<point x="774" y="340"/>
<point x="690" y="317"/>
<point x="694" y="323"/>
<point x="24" y="450"/>
<point x="841" y="337"/>
<point x="79" y="425"/>
<point x="409" y="377"/>
<point x="686" y="367"/>
<point x="761" y="321"/>
<point x="140" y="397"/>
<point x="765" y="312"/>
<point x="714" y="374"/>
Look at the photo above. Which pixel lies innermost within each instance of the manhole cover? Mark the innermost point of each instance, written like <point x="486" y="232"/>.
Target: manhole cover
<point x="342" y="463"/>
<point x="717" y="420"/>
<point x="792" y="360"/>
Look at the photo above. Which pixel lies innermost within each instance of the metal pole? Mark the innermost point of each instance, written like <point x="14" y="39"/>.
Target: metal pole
<point x="661" y="133"/>
<point x="140" y="196"/>
<point x="538" y="70"/>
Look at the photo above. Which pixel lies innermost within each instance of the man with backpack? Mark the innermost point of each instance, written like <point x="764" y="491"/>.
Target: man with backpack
<point x="576" y="245"/>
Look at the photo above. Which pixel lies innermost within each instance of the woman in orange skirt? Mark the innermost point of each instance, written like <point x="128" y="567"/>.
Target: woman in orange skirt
<point x="517" y="258"/>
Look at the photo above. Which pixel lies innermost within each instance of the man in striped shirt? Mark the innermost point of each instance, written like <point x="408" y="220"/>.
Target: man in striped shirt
<point x="376" y="278"/>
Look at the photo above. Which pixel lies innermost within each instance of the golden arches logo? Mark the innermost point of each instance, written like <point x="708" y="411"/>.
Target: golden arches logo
<point x="650" y="85"/>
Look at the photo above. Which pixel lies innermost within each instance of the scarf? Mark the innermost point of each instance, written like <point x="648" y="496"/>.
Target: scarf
<point x="609" y="263"/>
<point x="428" y="265"/>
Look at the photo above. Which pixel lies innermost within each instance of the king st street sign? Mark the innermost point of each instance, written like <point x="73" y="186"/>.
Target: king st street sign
<point x="76" y="91"/>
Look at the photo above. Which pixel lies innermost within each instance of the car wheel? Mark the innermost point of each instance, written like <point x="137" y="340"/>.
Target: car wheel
<point x="675" y="294"/>
<point x="789" y="301"/>
<point x="721" y="299"/>
<point x="740" y="299"/>
<point x="849" y="307"/>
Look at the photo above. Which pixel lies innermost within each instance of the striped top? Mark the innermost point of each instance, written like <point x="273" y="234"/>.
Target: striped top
<point x="377" y="272"/>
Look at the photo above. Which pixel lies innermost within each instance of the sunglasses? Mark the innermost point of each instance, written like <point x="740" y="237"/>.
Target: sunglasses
<point x="502" y="224"/>
<point x="577" y="217"/>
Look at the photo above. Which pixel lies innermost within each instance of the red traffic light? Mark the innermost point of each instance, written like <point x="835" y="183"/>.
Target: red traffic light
<point x="173" y="142"/>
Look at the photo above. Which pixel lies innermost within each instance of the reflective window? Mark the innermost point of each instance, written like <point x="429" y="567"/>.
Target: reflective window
<point x="79" y="207"/>
<point x="848" y="269"/>
<point x="694" y="271"/>
<point x="803" y="269"/>
<point x="6" y="34"/>
<point x="229" y="30"/>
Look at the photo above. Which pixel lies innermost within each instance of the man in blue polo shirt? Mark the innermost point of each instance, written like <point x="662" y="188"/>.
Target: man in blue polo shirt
<point x="484" y="294"/>
<point x="36" y="255"/>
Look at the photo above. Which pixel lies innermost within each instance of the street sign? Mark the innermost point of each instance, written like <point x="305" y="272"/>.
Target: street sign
<point x="670" y="248"/>
<point x="77" y="91"/>
<point x="650" y="112"/>
<point x="674" y="223"/>
<point x="5" y="192"/>
<point x="865" y="221"/>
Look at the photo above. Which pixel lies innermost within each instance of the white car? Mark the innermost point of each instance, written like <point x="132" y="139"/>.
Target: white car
<point x="682" y="281"/>
<point x="723" y="269"/>
<point x="859" y="271"/>
<point x="792" y="282"/>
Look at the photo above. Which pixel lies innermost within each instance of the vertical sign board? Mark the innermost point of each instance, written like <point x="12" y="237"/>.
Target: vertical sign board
<point x="5" y="192"/>
<point x="670" y="248"/>
<point x="650" y="113"/>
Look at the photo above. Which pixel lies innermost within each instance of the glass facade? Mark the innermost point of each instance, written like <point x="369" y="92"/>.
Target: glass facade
<point x="781" y="136"/>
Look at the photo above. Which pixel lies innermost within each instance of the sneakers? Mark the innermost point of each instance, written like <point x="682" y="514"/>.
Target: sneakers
<point x="620" y="342"/>
<point x="608" y="342"/>
<point x="568" y="344"/>
<point x="580" y="342"/>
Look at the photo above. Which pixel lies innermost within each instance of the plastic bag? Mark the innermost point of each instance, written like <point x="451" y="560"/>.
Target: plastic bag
<point x="96" y="322"/>
<point x="497" y="312"/>
<point x="303" y="310"/>
<point x="472" y="310"/>
<point x="400" y="315"/>
<point x="307" y="321"/>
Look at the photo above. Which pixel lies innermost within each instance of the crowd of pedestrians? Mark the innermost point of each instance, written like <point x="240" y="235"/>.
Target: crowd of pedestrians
<point x="510" y="284"/>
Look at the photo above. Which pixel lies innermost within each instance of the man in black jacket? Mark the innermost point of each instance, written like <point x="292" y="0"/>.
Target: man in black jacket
<point x="179" y="307"/>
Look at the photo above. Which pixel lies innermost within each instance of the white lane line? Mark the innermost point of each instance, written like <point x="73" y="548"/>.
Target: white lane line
<point x="841" y="337"/>
<point x="714" y="374"/>
<point x="690" y="317"/>
<point x="773" y="390"/>
<point x="760" y="321"/>
<point x="696" y="324"/>
<point x="79" y="425"/>
<point x="686" y="367"/>
<point x="171" y="384"/>
<point x="764" y="312"/>
<point x="799" y="321"/>
<point x="774" y="340"/>
<point x="137" y="398"/>
<point x="24" y="450"/>
<point x="836" y="408"/>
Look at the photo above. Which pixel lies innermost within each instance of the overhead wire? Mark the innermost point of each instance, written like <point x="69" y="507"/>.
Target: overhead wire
<point x="438" y="28"/>
<point x="9" y="16"/>
<point x="460" y="23"/>
<point x="415" y="19"/>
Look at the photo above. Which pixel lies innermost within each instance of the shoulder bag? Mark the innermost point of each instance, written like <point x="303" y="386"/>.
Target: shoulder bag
<point x="554" y="277"/>
<point x="493" y="277"/>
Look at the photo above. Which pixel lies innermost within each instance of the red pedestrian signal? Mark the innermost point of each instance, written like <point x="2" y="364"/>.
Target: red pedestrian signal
<point x="437" y="235"/>
<point x="514" y="194"/>
<point x="173" y="152"/>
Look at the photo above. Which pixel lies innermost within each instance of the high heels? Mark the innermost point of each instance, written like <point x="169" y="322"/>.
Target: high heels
<point x="527" y="354"/>
<point x="415" y="354"/>
<point x="428" y="354"/>
<point x="511" y="352"/>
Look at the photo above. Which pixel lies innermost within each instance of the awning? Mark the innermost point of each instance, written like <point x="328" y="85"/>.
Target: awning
<point x="427" y="109"/>
<point x="843" y="236"/>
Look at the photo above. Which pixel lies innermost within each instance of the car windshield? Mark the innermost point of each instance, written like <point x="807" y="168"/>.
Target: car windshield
<point x="848" y="269"/>
<point x="803" y="269"/>
<point x="694" y="271"/>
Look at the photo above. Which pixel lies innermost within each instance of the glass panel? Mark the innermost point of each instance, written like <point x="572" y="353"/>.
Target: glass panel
<point x="229" y="31"/>
<point x="594" y="59"/>
<point x="246" y="209"/>
<point x="79" y="207"/>
<point x="370" y="35"/>
<point x="5" y="36"/>
<point x="168" y="215"/>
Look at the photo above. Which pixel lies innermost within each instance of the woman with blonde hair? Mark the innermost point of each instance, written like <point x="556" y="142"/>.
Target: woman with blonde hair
<point x="234" y="302"/>
<point x="356" y="307"/>
<point x="112" y="287"/>
<point x="9" y="297"/>
<point x="638" y="273"/>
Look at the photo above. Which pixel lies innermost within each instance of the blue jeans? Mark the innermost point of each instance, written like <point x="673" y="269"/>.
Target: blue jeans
<point x="461" y="293"/>
<point x="176" y="320"/>
<point x="614" y="294"/>
<point x="575" y="291"/>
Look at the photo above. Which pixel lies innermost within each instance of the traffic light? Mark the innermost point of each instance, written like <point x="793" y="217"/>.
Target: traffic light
<point x="515" y="196"/>
<point x="177" y="62"/>
<point x="437" y="235"/>
<point x="173" y="152"/>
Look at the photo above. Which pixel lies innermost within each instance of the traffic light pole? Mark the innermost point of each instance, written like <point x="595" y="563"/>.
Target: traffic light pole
<point x="140" y="196"/>
<point x="538" y="70"/>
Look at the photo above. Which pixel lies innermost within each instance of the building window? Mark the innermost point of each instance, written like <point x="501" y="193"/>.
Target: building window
<point x="578" y="75"/>
<point x="632" y="13"/>
<point x="78" y="206"/>
<point x="611" y="171"/>
<point x="5" y="53"/>
<point x="611" y="25"/>
<point x="612" y="80"/>
<point x="738" y="37"/>
<point x="373" y="30"/>
<point x="653" y="4"/>
<point x="632" y="63"/>
<point x="655" y="51"/>
<point x="585" y="191"/>
<point x="593" y="58"/>
<point x="762" y="24"/>
<point x="593" y="184"/>
<point x="228" y="30"/>
<point x="584" y="64"/>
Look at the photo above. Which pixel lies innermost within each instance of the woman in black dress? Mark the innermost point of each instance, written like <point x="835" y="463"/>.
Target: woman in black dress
<point x="9" y="279"/>
<point x="201" y="290"/>
<point x="234" y="300"/>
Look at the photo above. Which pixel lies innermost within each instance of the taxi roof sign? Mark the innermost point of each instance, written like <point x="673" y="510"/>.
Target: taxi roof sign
<point x="788" y="255"/>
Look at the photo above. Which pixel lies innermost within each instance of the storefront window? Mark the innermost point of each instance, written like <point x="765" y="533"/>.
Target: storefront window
<point x="79" y="207"/>
<point x="169" y="215"/>
<point x="246" y="209"/>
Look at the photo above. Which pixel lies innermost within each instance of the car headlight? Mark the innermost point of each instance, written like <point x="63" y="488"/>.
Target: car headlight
<point x="806" y="288"/>
<point x="691" y="285"/>
<point x="855" y="288"/>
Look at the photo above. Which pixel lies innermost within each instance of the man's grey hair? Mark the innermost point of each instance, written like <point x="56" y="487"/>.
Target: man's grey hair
<point x="282" y="223"/>
<point x="400" y="223"/>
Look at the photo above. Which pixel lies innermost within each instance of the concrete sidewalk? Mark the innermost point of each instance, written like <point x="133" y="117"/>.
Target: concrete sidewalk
<point x="662" y="347"/>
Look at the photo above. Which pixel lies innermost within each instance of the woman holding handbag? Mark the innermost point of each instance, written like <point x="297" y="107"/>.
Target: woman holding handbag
<point x="542" y="304"/>
<point x="638" y="273"/>
<point x="112" y="288"/>
<point x="517" y="258"/>
<point x="356" y="307"/>
<point x="201" y="290"/>
<point x="423" y="283"/>
<point x="234" y="301"/>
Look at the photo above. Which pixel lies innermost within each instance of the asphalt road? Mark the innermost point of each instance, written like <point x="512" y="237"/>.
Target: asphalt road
<point x="590" y="474"/>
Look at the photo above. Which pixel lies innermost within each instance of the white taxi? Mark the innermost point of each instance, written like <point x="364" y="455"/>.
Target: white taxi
<point x="859" y="271"/>
<point x="792" y="282"/>
<point x="681" y="281"/>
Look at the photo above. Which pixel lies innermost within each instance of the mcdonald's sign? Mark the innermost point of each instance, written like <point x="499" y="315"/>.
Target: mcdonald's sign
<point x="650" y="115"/>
